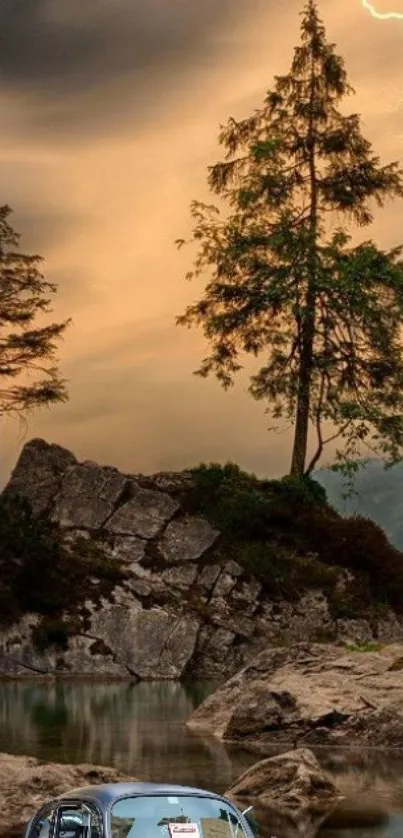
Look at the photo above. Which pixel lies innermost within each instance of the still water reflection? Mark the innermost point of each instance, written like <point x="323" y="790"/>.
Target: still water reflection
<point x="140" y="729"/>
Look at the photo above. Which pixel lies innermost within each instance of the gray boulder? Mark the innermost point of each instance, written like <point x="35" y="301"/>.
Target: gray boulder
<point x="291" y="793"/>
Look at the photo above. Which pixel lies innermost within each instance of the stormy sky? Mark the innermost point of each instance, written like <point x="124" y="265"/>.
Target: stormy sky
<point x="110" y="112"/>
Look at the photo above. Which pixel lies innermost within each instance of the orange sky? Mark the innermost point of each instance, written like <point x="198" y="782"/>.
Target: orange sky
<point x="110" y="114"/>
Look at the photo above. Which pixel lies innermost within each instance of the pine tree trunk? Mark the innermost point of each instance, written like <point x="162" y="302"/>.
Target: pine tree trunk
<point x="300" y="446"/>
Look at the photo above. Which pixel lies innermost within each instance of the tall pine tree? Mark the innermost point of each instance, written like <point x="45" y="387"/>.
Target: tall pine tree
<point x="325" y="317"/>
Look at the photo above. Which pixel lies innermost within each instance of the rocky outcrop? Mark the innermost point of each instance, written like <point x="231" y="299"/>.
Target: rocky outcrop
<point x="39" y="471"/>
<point x="26" y="783"/>
<point x="183" y="606"/>
<point x="290" y="793"/>
<point x="311" y="695"/>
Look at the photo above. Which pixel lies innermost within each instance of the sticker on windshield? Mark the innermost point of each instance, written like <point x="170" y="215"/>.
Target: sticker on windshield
<point x="174" y="800"/>
<point x="191" y="830"/>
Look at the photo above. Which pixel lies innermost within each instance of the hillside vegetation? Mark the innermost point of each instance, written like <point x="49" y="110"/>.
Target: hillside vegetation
<point x="286" y="533"/>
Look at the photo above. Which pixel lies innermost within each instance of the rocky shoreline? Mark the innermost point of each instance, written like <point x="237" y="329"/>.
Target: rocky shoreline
<point x="26" y="783"/>
<point x="311" y="695"/>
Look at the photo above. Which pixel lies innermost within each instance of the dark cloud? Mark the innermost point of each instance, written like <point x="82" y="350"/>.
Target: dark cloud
<point x="56" y="52"/>
<point x="43" y="230"/>
<point x="44" y="47"/>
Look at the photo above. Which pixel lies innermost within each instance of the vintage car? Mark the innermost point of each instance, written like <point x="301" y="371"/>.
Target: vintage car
<point x="139" y="810"/>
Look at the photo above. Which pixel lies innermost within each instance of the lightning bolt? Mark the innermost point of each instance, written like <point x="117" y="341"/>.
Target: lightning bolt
<point x="381" y="15"/>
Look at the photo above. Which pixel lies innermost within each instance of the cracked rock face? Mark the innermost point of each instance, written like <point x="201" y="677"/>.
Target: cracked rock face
<point x="143" y="515"/>
<point x="88" y="496"/>
<point x="186" y="539"/>
<point x="123" y="641"/>
<point x="226" y="580"/>
<point x="128" y="549"/>
<point x="180" y="577"/>
<point x="150" y="644"/>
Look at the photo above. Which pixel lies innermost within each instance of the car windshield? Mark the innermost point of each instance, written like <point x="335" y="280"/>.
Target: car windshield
<point x="174" y="817"/>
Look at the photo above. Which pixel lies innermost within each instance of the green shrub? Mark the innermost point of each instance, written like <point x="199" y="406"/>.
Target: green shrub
<point x="51" y="632"/>
<point x="231" y="500"/>
<point x="269" y="563"/>
<point x="244" y="507"/>
<point x="300" y="491"/>
<point x="361" y="546"/>
<point x="212" y="477"/>
<point x="39" y="572"/>
<point x="355" y="601"/>
<point x="370" y="646"/>
<point x="281" y="572"/>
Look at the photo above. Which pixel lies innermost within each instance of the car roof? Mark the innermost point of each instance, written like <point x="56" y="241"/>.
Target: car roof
<point x="106" y="795"/>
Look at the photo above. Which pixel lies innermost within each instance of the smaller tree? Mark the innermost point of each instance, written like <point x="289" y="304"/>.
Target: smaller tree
<point x="27" y="353"/>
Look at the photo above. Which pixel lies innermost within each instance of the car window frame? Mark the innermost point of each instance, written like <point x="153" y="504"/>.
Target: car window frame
<point x="247" y="829"/>
<point x="33" y="823"/>
<point x="78" y="803"/>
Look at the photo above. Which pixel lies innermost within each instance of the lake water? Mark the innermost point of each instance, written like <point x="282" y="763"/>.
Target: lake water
<point x="140" y="729"/>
